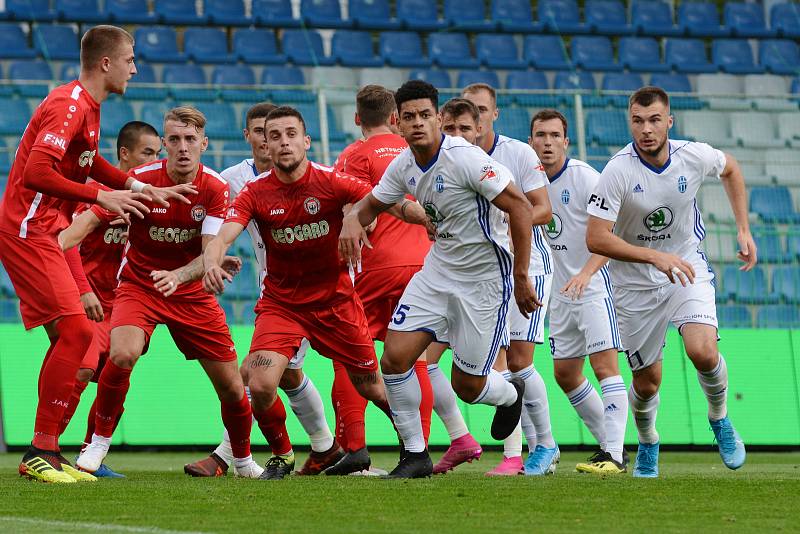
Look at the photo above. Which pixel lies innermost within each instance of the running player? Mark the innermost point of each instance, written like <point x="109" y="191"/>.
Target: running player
<point x="303" y="395"/>
<point x="56" y="154"/>
<point x="582" y="317"/>
<point x="159" y="284"/>
<point x="644" y="216"/>
<point x="461" y="294"/>
<point x="307" y="292"/>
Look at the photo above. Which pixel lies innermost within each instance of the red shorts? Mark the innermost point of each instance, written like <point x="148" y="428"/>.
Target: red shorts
<point x="41" y="279"/>
<point x="97" y="354"/>
<point x="380" y="291"/>
<point x="196" y="321"/>
<point x="340" y="332"/>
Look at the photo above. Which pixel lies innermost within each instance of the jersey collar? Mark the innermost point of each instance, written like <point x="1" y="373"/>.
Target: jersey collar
<point x="557" y="175"/>
<point x="253" y="166"/>
<point x="657" y="170"/>
<point x="426" y="168"/>
<point x="494" y="144"/>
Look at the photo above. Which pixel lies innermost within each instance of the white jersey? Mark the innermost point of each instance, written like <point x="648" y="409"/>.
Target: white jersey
<point x="237" y="177"/>
<point x="529" y="174"/>
<point x="569" y="192"/>
<point x="456" y="189"/>
<point x="656" y="208"/>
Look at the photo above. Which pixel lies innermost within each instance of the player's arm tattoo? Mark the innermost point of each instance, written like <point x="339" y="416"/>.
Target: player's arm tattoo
<point x="191" y="271"/>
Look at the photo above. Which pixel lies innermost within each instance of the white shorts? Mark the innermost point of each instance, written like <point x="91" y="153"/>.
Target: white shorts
<point x="300" y="356"/>
<point x="580" y="329"/>
<point x="471" y="317"/>
<point x="644" y="316"/>
<point x="532" y="328"/>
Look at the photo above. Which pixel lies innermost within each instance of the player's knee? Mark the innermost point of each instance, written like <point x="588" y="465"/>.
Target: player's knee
<point x="605" y="368"/>
<point x="704" y="355"/>
<point x="291" y="379"/>
<point x="84" y="375"/>
<point x="391" y="365"/>
<point x="262" y="393"/>
<point x="124" y="357"/>
<point x="644" y="387"/>
<point x="77" y="330"/>
<point x="565" y="378"/>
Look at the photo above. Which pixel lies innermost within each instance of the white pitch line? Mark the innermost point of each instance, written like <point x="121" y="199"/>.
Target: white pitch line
<point x="91" y="526"/>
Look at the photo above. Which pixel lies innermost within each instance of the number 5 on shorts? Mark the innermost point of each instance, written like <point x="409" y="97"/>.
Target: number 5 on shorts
<point x="400" y="314"/>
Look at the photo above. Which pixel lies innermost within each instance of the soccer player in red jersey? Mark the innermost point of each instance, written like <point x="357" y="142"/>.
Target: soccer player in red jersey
<point x="397" y="252"/>
<point x="307" y="292"/>
<point x="159" y="284"/>
<point x="56" y="154"/>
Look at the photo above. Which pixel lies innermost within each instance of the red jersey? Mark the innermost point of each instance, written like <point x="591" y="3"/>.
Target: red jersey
<point x="169" y="238"/>
<point x="395" y="243"/>
<point x="66" y="125"/>
<point x="300" y="225"/>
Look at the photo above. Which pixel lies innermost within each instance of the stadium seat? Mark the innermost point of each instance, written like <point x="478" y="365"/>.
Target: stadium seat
<point x="108" y="148"/>
<point x="734" y="316"/>
<point x="386" y="77"/>
<point x="207" y="45"/>
<point x="514" y="122"/>
<point x="9" y="311"/>
<point x="227" y="75"/>
<point x="767" y="92"/>
<point x="773" y="205"/>
<point x="403" y="49"/>
<point x="746" y="20"/>
<point x="789" y="128"/>
<point x="593" y="53"/>
<point x="451" y="51"/>
<point x="607" y="127"/>
<point x="71" y="70"/>
<point x="779" y="56"/>
<point x="654" y="18"/>
<point x="751" y="161"/>
<point x="597" y="157"/>
<point x="438" y="78"/>
<point x="514" y="16"/>
<point x="560" y="16"/>
<point x="710" y="127"/>
<point x="688" y="56"/>
<point x="248" y="311"/>
<point x="145" y="75"/>
<point x="257" y="46"/>
<point x="274" y="13"/>
<point x="607" y="17"/>
<point x="226" y="13"/>
<point x="768" y="243"/>
<point x="158" y="44"/>
<point x="286" y="76"/>
<point x="498" y="51"/>
<point x="233" y="152"/>
<point x="153" y="113"/>
<point x="530" y="80"/>
<point x="618" y="81"/>
<point x="56" y="42"/>
<point x="641" y="54"/>
<point x="747" y="287"/>
<point x="222" y="122"/>
<point x="576" y="81"/>
<point x="304" y="47"/>
<point x="546" y="52"/>
<point x="5" y="162"/>
<point x="22" y="72"/>
<point x="14" y="43"/>
<point x="793" y="244"/>
<point x="755" y="130"/>
<point x="467" y="16"/>
<point x="323" y="14"/>
<point x="227" y="308"/>
<point x="179" y="12"/>
<point x="176" y="77"/>
<point x="80" y="11"/>
<point x="468" y="77"/>
<point x="795" y="89"/>
<point x="116" y="113"/>
<point x="338" y="82"/>
<point x="372" y="15"/>
<point x="672" y="83"/>
<point x="779" y="316"/>
<point x="711" y="85"/>
<point x="734" y="56"/>
<point x="354" y="48"/>
<point x="14" y="116"/>
<point x="130" y="12"/>
<point x="785" y="19"/>
<point x="700" y="19"/>
<point x="419" y="15"/>
<point x="311" y="115"/>
<point x="30" y="10"/>
<point x="783" y="165"/>
<point x="245" y="284"/>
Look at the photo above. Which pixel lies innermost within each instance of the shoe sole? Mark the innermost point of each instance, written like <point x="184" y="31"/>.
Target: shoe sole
<point x="79" y="476"/>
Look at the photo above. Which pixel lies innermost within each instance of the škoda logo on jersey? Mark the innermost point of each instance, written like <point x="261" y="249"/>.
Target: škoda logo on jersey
<point x="301" y="232"/>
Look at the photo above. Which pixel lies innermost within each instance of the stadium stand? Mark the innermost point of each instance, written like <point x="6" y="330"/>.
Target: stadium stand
<point x="373" y="15"/>
<point x="178" y="12"/>
<point x="354" y="49"/>
<point x="467" y="16"/>
<point x="227" y="13"/>
<point x="403" y="49"/>
<point x="207" y="45"/>
<point x="513" y="16"/>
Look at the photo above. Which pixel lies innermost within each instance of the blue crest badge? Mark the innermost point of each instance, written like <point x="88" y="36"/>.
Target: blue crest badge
<point x="439" y="180"/>
<point x="565" y="197"/>
<point x="682" y="184"/>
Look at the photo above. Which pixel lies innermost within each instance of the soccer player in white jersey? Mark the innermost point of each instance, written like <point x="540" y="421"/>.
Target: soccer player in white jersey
<point x="644" y="216"/>
<point x="304" y="398"/>
<point x="582" y="317"/>
<point x="462" y="293"/>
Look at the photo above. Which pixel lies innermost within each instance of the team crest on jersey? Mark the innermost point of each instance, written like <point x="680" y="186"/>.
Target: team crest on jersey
<point x="433" y="213"/>
<point x="565" y="197"/>
<point x="682" y="184"/>
<point x="553" y="228"/>
<point x="198" y="213"/>
<point x="659" y="219"/>
<point x="86" y="158"/>
<point x="487" y="173"/>
<point x="439" y="180"/>
<point x="311" y="205"/>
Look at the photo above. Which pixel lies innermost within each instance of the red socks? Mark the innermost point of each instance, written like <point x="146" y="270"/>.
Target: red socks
<point x="90" y="421"/>
<point x="426" y="405"/>
<point x="74" y="400"/>
<point x="272" y="423"/>
<point x="112" y="388"/>
<point x="237" y="418"/>
<point x="350" y="408"/>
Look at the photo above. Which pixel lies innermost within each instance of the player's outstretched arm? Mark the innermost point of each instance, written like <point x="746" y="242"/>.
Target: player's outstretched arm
<point x="733" y="182"/>
<point x="215" y="274"/>
<point x="107" y="174"/>
<point x="168" y="281"/>
<point x="542" y="210"/>
<point x="577" y="284"/>
<point x="82" y="225"/>
<point x="353" y="235"/>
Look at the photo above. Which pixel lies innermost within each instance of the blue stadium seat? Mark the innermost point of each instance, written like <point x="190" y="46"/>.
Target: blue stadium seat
<point x="688" y="56"/>
<point x="245" y="284"/>
<point x="323" y="14"/>
<point x="222" y="122"/>
<point x="773" y="204"/>
<point x="781" y="316"/>
<point x="354" y="48"/>
<point x="6" y="91"/>
<point x="795" y="88"/>
<point x="258" y="46"/>
<point x="618" y="81"/>
<point x="677" y="83"/>
<point x="451" y="51"/>
<point x="597" y="157"/>
<point x="770" y="249"/>
<point x="178" y="12"/>
<point x="9" y="311"/>
<point x="116" y="113"/>
<point x="248" y="312"/>
<point x="311" y="115"/>
<point x="560" y="16"/>
<point x="158" y="44"/>
<point x="577" y="81"/>
<point x="56" y="42"/>
<point x="286" y="76"/>
<point x="641" y="54"/>
<point x="209" y="157"/>
<point x="546" y="52"/>
<point x="785" y="19"/>
<point x="734" y="56"/>
<point x="419" y="15"/>
<point x="793" y="243"/>
<point x="403" y="49"/>
<point x="372" y="15"/>
<point x="514" y="122"/>
<point x="207" y="45"/>
<point x="226" y="75"/>
<point x="779" y="56"/>
<point x="700" y="19"/>
<point x="304" y="47"/>
<point x="227" y="307"/>
<point x="234" y="152"/>
<point x="5" y="162"/>
<point x="71" y="70"/>
<point x="498" y="51"/>
<point x="607" y="127"/>
<point x="654" y="18"/>
<point x="748" y="287"/>
<point x="6" y="287"/>
<point x="130" y="12"/>
<point x="145" y="75"/>
<point x="514" y="16"/>
<point x="153" y="113"/>
<point x="275" y="14"/>
<point x="734" y="316"/>
<point x="786" y="283"/>
<point x="468" y="77"/>
<point x="227" y="13"/>
<point x="467" y="16"/>
<point x="438" y="78"/>
<point x="14" y="43"/>
<point x="593" y="53"/>
<point x="607" y="17"/>
<point x="530" y="80"/>
<point x="33" y="10"/>
<point x="746" y="20"/>
<point x="14" y="116"/>
<point x="178" y="76"/>
<point x="23" y="71"/>
<point x="80" y="11"/>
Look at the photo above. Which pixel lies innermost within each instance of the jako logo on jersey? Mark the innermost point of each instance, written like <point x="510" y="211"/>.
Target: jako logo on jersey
<point x="600" y="202"/>
<point x="301" y="232"/>
<point x="198" y="213"/>
<point x="55" y="140"/>
<point x="638" y="189"/>
<point x="311" y="204"/>
<point x="565" y="197"/>
<point x="439" y="183"/>
<point x="554" y="227"/>
<point x="659" y="219"/>
<point x="115" y="235"/>
<point x="86" y="158"/>
<point x="487" y="173"/>
<point x="276" y="211"/>
<point x="682" y="184"/>
<point x="172" y="235"/>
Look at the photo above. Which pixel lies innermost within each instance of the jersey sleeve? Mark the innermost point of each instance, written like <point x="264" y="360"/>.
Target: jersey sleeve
<point x="216" y="210"/>
<point x="485" y="175"/>
<point x="349" y="189"/>
<point x="356" y="164"/>
<point x="713" y="161"/>
<point x="532" y="175"/>
<point x="243" y="208"/>
<point x="231" y="175"/>
<point x="605" y="200"/>
<point x="61" y="119"/>
<point x="392" y="187"/>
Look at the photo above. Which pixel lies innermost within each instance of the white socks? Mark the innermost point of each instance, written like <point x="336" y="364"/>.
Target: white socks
<point x="715" y="386"/>
<point x="496" y="392"/>
<point x="589" y="406"/>
<point x="404" y="396"/>
<point x="306" y="404"/>
<point x="615" y="414"/>
<point x="644" y="414"/>
<point x="444" y="403"/>
<point x="528" y="430"/>
<point x="536" y="405"/>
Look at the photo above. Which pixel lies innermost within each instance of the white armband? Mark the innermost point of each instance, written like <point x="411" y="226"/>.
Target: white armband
<point x="137" y="186"/>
